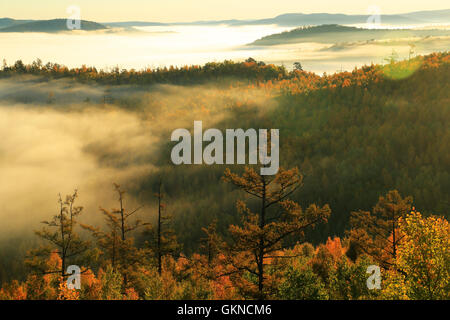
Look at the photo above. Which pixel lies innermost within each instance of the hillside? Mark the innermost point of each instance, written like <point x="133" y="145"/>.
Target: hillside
<point x="8" y="22"/>
<point x="128" y="24"/>
<point x="333" y="33"/>
<point x="354" y="136"/>
<point x="302" y="19"/>
<point x="55" y="25"/>
<point x="286" y="20"/>
<point x="349" y="132"/>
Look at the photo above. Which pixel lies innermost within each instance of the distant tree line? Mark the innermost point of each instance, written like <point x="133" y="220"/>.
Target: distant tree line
<point x="249" y="70"/>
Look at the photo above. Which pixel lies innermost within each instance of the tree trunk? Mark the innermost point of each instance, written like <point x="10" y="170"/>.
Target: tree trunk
<point x="63" y="241"/>
<point x="262" y="222"/>
<point x="159" y="230"/>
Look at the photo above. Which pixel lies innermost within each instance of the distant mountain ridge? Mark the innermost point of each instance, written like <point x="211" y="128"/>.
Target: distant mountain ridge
<point x="285" y="20"/>
<point x="301" y="19"/>
<point x="54" y="25"/>
<point x="8" y="22"/>
<point x="333" y="33"/>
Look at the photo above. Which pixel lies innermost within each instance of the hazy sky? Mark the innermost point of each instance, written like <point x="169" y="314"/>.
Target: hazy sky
<point x="189" y="10"/>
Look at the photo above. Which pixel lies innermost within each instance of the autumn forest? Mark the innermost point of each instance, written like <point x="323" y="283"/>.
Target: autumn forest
<point x="363" y="182"/>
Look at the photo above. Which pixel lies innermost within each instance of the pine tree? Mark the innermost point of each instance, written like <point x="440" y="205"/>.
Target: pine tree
<point x="376" y="233"/>
<point x="64" y="241"/>
<point x="211" y="243"/>
<point x="162" y="240"/>
<point x="263" y="234"/>
<point x="116" y="243"/>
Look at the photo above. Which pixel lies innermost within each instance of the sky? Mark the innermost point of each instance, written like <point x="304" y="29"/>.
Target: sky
<point x="193" y="10"/>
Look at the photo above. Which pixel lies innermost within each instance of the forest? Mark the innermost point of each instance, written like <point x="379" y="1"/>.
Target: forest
<point x="364" y="181"/>
<point x="333" y="33"/>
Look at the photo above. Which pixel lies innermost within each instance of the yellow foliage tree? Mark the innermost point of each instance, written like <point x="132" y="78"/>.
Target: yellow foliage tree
<point x="424" y="259"/>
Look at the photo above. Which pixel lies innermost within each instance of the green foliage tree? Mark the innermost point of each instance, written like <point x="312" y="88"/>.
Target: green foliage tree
<point x="298" y="66"/>
<point x="302" y="284"/>
<point x="112" y="283"/>
<point x="348" y="281"/>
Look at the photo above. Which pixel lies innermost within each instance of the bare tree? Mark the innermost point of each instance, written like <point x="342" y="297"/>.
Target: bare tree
<point x="62" y="238"/>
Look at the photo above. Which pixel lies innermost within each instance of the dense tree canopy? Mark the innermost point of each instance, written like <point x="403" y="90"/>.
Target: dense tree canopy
<point x="374" y="141"/>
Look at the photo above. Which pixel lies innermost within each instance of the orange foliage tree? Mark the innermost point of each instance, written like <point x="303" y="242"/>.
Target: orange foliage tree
<point x="263" y="234"/>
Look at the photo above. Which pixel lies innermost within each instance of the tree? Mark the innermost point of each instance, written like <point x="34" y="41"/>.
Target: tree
<point x="376" y="233"/>
<point x="19" y="66"/>
<point x="412" y="50"/>
<point x="348" y="280"/>
<point x="115" y="242"/>
<point x="263" y="234"/>
<point x="62" y="238"/>
<point x="424" y="259"/>
<point x="162" y="240"/>
<point x="302" y="284"/>
<point x="211" y="243"/>
<point x="298" y="66"/>
<point x="392" y="58"/>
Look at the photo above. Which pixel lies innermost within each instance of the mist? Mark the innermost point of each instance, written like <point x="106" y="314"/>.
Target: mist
<point x="73" y="140"/>
<point x="163" y="46"/>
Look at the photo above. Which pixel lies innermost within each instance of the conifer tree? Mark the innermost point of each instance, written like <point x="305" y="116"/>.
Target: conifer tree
<point x="211" y="243"/>
<point x="116" y="243"/>
<point x="62" y="238"/>
<point x="162" y="239"/>
<point x="263" y="234"/>
<point x="376" y="233"/>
